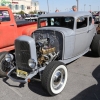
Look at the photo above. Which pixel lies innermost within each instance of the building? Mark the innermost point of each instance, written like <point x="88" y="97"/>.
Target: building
<point x="21" y="5"/>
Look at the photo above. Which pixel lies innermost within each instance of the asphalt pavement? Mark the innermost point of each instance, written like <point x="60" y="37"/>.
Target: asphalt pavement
<point x="83" y="84"/>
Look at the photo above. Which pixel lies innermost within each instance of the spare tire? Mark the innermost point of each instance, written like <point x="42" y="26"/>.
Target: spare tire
<point x="95" y="46"/>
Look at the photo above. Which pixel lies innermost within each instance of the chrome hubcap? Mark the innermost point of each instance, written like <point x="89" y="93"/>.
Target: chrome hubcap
<point x="58" y="79"/>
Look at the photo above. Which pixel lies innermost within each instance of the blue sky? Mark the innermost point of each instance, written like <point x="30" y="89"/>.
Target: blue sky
<point x="65" y="5"/>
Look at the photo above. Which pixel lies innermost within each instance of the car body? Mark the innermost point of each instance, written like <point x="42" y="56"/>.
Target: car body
<point x="63" y="38"/>
<point x="76" y="39"/>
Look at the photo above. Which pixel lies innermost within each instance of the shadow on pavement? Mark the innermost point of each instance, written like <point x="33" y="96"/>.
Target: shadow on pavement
<point x="93" y="92"/>
<point x="5" y="81"/>
<point x="90" y="54"/>
<point x="36" y="87"/>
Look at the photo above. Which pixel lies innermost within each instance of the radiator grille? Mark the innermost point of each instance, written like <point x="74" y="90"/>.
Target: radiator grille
<point x="22" y="51"/>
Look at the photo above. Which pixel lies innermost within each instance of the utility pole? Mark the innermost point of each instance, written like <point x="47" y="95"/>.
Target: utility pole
<point x="90" y="7"/>
<point x="84" y="6"/>
<point x="77" y="5"/>
<point x="48" y="5"/>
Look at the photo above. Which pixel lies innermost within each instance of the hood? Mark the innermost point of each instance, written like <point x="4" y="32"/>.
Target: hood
<point x="64" y="31"/>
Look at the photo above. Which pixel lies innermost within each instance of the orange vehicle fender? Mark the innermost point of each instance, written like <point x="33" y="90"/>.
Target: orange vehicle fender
<point x="29" y="31"/>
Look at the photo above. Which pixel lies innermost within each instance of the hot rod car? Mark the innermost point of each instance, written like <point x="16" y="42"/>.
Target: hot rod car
<point x="63" y="38"/>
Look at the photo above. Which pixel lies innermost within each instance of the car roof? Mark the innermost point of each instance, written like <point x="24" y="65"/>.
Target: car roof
<point x="71" y="13"/>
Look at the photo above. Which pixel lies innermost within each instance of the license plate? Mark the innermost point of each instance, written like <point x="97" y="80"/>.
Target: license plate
<point x="22" y="74"/>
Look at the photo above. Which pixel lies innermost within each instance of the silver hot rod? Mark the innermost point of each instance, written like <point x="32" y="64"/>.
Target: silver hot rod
<point x="60" y="39"/>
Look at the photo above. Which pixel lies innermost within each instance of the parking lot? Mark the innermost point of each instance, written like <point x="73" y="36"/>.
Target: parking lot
<point x="83" y="84"/>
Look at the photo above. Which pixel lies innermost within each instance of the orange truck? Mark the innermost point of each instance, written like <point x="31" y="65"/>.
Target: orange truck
<point x="10" y="29"/>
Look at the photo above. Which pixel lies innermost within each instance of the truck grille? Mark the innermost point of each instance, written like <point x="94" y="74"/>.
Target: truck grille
<point x="22" y="52"/>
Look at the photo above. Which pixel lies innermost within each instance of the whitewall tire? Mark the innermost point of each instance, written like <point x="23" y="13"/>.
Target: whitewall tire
<point x="55" y="77"/>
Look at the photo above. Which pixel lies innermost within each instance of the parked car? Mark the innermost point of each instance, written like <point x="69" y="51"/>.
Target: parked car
<point x="96" y="18"/>
<point x="17" y="16"/>
<point x="63" y="38"/>
<point x="32" y="17"/>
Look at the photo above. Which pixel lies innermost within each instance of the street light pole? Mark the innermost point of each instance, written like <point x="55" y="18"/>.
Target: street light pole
<point x="84" y="6"/>
<point x="48" y="5"/>
<point x="67" y="9"/>
<point x="77" y="5"/>
<point x="90" y="7"/>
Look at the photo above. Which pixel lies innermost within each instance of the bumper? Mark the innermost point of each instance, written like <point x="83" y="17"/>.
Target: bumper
<point x="14" y="78"/>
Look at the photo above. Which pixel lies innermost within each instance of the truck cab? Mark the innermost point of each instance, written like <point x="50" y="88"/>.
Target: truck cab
<point x="10" y="29"/>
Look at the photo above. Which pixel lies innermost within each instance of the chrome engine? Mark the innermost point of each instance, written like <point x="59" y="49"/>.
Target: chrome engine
<point x="45" y="52"/>
<point x="48" y="43"/>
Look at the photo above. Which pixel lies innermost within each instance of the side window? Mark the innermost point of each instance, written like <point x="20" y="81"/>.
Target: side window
<point x="22" y="7"/>
<point x="90" y="20"/>
<point x="69" y="22"/>
<point x="4" y="16"/>
<point x="81" y="22"/>
<point x="16" y="7"/>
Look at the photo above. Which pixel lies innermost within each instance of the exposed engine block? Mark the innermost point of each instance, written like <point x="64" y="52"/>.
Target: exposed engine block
<point x="45" y="52"/>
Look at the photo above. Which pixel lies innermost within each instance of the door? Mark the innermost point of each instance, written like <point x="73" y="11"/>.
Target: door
<point x="7" y="29"/>
<point x="81" y="37"/>
<point x="91" y="31"/>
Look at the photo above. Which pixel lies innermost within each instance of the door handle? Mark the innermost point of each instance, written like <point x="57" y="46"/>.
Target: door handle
<point x="88" y="31"/>
<point x="12" y="25"/>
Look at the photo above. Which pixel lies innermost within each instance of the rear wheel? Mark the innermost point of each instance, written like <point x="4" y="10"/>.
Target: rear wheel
<point x="95" y="46"/>
<point x="54" y="77"/>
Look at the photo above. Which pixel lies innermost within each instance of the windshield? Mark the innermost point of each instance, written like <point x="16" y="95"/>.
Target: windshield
<point x="67" y="22"/>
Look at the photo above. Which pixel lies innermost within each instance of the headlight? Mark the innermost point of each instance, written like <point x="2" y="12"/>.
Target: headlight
<point x="9" y="57"/>
<point x="32" y="63"/>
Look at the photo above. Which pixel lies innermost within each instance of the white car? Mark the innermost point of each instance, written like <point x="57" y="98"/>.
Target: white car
<point x="32" y="17"/>
<point x="60" y="39"/>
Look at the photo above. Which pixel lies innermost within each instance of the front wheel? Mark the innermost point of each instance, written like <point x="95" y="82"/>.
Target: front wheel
<point x="54" y="77"/>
